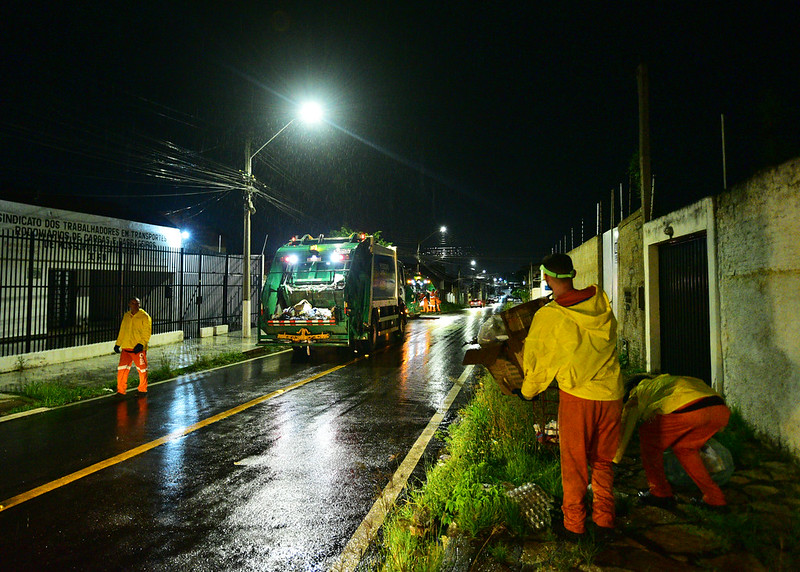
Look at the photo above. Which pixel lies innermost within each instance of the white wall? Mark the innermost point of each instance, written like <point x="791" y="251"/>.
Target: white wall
<point x="65" y="355"/>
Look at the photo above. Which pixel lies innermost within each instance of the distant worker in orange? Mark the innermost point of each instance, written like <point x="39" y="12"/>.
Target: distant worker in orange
<point x="573" y="340"/>
<point x="435" y="302"/>
<point x="134" y="335"/>
<point x="424" y="302"/>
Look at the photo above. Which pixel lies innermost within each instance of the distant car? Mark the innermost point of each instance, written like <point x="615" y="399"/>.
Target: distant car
<point x="491" y="300"/>
<point x="477" y="303"/>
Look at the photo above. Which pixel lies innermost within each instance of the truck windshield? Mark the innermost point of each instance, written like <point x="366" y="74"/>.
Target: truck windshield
<point x="317" y="272"/>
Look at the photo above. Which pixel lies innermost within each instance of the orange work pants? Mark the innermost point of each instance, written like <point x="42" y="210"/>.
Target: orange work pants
<point x="685" y="433"/>
<point x="589" y="433"/>
<point x="127" y="359"/>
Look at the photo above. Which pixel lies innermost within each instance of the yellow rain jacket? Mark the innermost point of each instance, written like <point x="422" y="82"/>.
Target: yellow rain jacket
<point x="135" y="329"/>
<point x="576" y="346"/>
<point x="659" y="396"/>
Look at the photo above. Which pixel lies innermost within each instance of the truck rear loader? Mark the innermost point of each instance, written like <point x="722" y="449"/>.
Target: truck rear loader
<point x="340" y="291"/>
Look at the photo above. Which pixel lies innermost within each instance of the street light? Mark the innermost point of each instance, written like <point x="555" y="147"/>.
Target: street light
<point x="442" y="229"/>
<point x="308" y="113"/>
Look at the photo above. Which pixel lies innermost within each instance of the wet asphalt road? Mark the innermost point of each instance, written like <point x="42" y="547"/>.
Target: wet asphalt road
<point x="281" y="485"/>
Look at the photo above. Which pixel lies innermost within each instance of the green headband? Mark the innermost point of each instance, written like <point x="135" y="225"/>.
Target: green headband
<point x="556" y="275"/>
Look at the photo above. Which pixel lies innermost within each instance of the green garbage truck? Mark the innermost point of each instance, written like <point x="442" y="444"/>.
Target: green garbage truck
<point x="339" y="291"/>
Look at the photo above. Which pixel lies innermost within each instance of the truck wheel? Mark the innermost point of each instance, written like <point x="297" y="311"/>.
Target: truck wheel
<point x="368" y="345"/>
<point x="373" y="334"/>
<point x="401" y="328"/>
<point x="300" y="353"/>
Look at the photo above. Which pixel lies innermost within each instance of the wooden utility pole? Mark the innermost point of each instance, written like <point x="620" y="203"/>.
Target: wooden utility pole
<point x="644" y="139"/>
<point x="724" y="160"/>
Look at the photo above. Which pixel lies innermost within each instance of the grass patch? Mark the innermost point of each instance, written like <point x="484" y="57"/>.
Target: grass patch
<point x="57" y="393"/>
<point x="492" y="448"/>
<point x="166" y="369"/>
<point x="449" y="307"/>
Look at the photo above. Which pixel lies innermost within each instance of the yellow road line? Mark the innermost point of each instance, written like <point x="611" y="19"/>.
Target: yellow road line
<point x="351" y="555"/>
<point x="52" y="485"/>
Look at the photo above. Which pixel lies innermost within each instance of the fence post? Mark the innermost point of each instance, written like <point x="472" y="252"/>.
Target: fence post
<point x="120" y="301"/>
<point x="225" y="290"/>
<point x="199" y="291"/>
<point x="29" y="317"/>
<point x="181" y="298"/>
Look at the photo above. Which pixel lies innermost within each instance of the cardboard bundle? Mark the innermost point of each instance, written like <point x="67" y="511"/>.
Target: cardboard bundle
<point x="504" y="359"/>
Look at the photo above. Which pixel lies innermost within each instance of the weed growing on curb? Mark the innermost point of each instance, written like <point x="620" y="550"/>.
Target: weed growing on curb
<point x="22" y="363"/>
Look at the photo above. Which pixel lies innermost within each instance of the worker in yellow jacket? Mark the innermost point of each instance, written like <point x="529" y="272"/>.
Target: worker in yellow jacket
<point x="131" y="344"/>
<point x="677" y="412"/>
<point x="573" y="340"/>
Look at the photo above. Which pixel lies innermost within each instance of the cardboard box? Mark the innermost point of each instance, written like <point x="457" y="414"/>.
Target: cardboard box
<point x="494" y="357"/>
<point x="504" y="359"/>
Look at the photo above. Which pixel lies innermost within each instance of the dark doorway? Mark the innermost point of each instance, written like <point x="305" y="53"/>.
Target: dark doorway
<point x="683" y="291"/>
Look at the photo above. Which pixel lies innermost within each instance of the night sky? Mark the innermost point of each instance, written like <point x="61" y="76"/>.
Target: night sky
<point x="505" y="121"/>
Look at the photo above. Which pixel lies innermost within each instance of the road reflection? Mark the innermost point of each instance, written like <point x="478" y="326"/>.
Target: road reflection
<point x="131" y="418"/>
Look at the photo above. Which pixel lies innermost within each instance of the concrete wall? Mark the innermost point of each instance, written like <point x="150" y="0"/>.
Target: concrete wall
<point x="588" y="262"/>
<point x="630" y="290"/>
<point x="759" y="282"/>
<point x="64" y="355"/>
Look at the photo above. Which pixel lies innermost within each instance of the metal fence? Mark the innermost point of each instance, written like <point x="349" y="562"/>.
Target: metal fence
<point x="59" y="294"/>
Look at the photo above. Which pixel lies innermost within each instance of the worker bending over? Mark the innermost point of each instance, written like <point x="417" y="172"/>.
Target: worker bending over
<point x="677" y="412"/>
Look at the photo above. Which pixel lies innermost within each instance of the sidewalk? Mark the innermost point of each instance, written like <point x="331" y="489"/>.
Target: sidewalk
<point x="99" y="371"/>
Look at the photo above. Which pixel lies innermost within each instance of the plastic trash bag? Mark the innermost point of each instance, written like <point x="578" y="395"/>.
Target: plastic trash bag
<point x="492" y="331"/>
<point x="716" y="457"/>
<point x="321" y="313"/>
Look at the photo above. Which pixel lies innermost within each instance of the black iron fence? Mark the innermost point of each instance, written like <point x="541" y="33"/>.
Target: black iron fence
<point x="58" y="294"/>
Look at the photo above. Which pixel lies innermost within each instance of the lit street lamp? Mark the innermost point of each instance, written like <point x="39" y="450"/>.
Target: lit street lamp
<point x="308" y="113"/>
<point x="442" y="229"/>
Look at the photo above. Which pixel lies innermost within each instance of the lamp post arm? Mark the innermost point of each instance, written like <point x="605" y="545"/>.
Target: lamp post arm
<point x="271" y="138"/>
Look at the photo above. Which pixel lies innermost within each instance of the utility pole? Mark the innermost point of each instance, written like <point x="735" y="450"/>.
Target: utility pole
<point x="248" y="210"/>
<point x="724" y="161"/>
<point x="644" y="139"/>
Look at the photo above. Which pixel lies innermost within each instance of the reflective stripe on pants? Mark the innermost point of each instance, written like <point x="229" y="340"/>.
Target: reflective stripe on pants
<point x="127" y="359"/>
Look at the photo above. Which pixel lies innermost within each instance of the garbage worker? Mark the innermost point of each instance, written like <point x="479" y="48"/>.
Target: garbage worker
<point x="677" y="412"/>
<point x="131" y="344"/>
<point x="573" y="339"/>
<point x="435" y="305"/>
<point x="424" y="302"/>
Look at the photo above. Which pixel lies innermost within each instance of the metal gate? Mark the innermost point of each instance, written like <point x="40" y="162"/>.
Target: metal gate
<point x="683" y="291"/>
<point x="60" y="294"/>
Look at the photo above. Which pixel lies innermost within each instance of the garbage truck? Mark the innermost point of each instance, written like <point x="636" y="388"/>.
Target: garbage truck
<point x="338" y="291"/>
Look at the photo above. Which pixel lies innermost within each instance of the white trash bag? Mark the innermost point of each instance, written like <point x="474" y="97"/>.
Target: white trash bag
<point x="492" y="331"/>
<point x="716" y="457"/>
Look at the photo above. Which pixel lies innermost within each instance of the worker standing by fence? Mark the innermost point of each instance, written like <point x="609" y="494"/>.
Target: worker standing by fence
<point x="134" y="335"/>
